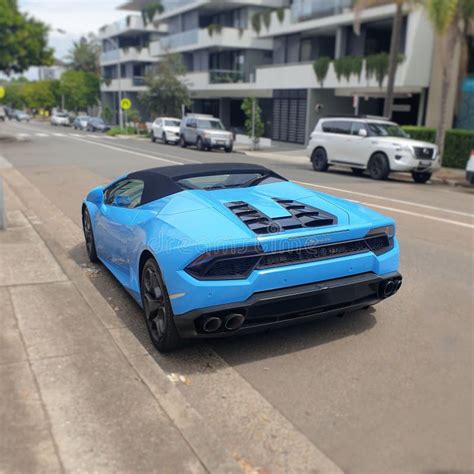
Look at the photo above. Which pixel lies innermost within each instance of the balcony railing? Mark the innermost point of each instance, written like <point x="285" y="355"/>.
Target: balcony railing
<point x="302" y="10"/>
<point x="226" y="76"/>
<point x="180" y="39"/>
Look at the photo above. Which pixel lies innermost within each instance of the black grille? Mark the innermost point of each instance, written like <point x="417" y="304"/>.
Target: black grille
<point x="426" y="153"/>
<point x="235" y="267"/>
<point x="301" y="216"/>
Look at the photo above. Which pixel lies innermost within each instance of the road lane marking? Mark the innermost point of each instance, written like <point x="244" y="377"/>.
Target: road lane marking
<point x="123" y="150"/>
<point x="59" y="134"/>
<point x="42" y="135"/>
<point x="416" y="214"/>
<point x="164" y="154"/>
<point x="399" y="201"/>
<point x="75" y="135"/>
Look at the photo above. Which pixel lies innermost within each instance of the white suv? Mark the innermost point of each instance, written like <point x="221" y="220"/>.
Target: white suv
<point x="371" y="144"/>
<point x="165" y="129"/>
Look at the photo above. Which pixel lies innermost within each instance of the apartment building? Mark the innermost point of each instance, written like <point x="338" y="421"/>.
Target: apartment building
<point x="267" y="49"/>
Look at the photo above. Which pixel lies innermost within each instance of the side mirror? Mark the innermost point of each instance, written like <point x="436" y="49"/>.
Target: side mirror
<point x="362" y="132"/>
<point x="121" y="201"/>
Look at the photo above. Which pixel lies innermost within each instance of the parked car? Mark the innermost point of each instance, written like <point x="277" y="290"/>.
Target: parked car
<point x="96" y="124"/>
<point x="21" y="116"/>
<point x="165" y="129"/>
<point x="60" y="118"/>
<point x="80" y="122"/>
<point x="240" y="249"/>
<point x="3" y="113"/>
<point x="370" y="144"/>
<point x="470" y="169"/>
<point x="205" y="132"/>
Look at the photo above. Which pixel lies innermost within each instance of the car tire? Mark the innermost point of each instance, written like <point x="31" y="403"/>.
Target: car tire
<point x="89" y="236"/>
<point x="182" y="142"/>
<point x="199" y="144"/>
<point x="378" y="167"/>
<point x="421" y="176"/>
<point x="319" y="160"/>
<point x="153" y="138"/>
<point x="357" y="171"/>
<point x="228" y="149"/>
<point x="163" y="138"/>
<point x="159" y="316"/>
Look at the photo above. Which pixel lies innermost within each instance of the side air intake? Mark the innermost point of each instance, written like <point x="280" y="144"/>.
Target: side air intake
<point x="301" y="216"/>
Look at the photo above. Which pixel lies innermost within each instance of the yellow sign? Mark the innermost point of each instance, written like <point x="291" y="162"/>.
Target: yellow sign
<point x="2" y="92"/>
<point x="125" y="104"/>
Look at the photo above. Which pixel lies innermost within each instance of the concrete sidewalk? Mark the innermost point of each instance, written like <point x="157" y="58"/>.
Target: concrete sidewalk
<point x="71" y="400"/>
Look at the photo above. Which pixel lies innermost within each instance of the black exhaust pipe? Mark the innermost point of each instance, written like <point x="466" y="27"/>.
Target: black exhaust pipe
<point x="212" y="324"/>
<point x="388" y="288"/>
<point x="233" y="321"/>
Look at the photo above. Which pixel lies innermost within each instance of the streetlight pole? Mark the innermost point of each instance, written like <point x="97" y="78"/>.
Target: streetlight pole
<point x="119" y="77"/>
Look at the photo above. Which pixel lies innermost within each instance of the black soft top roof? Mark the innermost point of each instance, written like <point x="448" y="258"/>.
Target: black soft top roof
<point x="163" y="181"/>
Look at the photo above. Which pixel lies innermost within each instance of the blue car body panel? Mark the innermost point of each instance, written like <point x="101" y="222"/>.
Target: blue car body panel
<point x="178" y="228"/>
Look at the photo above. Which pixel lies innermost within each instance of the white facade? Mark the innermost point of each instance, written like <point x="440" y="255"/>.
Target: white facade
<point x="228" y="60"/>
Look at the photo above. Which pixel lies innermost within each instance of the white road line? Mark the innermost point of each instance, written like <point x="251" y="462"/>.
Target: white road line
<point x="399" y="201"/>
<point x="190" y="160"/>
<point x="59" y="134"/>
<point x="123" y="150"/>
<point x="91" y="136"/>
<point x="75" y="135"/>
<point x="424" y="216"/>
<point x="42" y="135"/>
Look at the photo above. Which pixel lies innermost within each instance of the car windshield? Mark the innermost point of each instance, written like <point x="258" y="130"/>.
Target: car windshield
<point x="83" y="117"/>
<point x="172" y="123"/>
<point x="228" y="180"/>
<point x="386" y="130"/>
<point x="61" y="114"/>
<point x="215" y="124"/>
<point x="99" y="121"/>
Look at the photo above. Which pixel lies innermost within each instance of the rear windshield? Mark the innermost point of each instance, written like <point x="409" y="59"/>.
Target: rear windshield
<point x="201" y="123"/>
<point x="172" y="123"/>
<point x="223" y="181"/>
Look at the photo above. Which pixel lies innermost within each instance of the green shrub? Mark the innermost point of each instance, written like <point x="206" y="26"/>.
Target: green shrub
<point x="321" y="67"/>
<point x="120" y="131"/>
<point x="457" y="147"/>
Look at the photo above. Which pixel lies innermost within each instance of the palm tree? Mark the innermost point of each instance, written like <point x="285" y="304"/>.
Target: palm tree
<point x="84" y="55"/>
<point x="449" y="19"/>
<point x="360" y="5"/>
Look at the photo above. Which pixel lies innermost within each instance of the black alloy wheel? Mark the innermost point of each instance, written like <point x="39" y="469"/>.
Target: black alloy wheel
<point x="89" y="236"/>
<point x="378" y="167"/>
<point x="157" y="308"/>
<point x="319" y="160"/>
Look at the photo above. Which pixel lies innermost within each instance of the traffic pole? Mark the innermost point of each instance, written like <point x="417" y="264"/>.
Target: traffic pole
<point x="3" y="217"/>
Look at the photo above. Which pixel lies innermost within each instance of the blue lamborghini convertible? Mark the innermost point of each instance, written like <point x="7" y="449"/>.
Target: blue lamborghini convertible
<point x="211" y="250"/>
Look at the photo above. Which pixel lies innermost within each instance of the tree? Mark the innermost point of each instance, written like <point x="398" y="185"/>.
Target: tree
<point x="40" y="94"/>
<point x="23" y="40"/>
<point x="253" y="119"/>
<point x="80" y="89"/>
<point x="13" y="96"/>
<point x="166" y="93"/>
<point x="84" y="55"/>
<point x="448" y="18"/>
<point x="394" y="44"/>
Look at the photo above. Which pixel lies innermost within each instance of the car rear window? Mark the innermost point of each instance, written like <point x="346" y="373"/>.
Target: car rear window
<point x="342" y="127"/>
<point x="172" y="123"/>
<point x="227" y="180"/>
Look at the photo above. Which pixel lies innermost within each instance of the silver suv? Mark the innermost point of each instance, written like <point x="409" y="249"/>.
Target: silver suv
<point x="205" y="132"/>
<point x="370" y="144"/>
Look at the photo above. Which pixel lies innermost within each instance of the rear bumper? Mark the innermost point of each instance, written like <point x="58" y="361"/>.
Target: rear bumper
<point x="292" y="305"/>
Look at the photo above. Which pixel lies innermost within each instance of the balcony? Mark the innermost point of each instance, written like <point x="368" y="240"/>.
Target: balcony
<point x="125" y="55"/>
<point x="129" y="23"/>
<point x="225" y="76"/>
<point x="231" y="38"/>
<point x="302" y="10"/>
<point x="131" y="84"/>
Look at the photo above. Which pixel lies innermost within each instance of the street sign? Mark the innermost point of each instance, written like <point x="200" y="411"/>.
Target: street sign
<point x="2" y="92"/>
<point x="125" y="104"/>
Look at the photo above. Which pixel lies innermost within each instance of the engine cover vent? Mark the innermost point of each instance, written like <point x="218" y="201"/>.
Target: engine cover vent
<point x="302" y="216"/>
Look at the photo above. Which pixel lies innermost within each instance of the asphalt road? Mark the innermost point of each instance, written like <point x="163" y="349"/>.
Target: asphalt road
<point x="385" y="390"/>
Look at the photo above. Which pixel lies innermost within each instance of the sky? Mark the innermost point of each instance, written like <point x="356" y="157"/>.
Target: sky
<point x="75" y="17"/>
